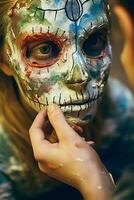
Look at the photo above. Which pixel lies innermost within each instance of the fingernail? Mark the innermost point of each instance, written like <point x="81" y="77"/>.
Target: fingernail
<point x="91" y="143"/>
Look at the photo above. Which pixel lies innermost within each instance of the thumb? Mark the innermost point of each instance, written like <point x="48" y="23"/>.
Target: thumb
<point x="59" y="123"/>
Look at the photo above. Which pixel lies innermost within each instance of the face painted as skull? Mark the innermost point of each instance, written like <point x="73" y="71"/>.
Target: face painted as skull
<point x="59" y="53"/>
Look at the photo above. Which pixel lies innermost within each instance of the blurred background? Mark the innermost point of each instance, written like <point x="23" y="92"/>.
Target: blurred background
<point x="117" y="70"/>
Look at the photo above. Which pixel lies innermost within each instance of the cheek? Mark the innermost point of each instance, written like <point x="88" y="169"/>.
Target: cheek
<point x="11" y="56"/>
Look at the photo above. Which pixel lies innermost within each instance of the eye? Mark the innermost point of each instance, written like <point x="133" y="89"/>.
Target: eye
<point x="95" y="44"/>
<point x="42" y="53"/>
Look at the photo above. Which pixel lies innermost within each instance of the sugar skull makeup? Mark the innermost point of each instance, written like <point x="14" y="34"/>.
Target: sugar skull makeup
<point x="59" y="53"/>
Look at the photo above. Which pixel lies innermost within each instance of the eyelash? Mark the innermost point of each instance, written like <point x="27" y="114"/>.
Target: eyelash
<point x="89" y="47"/>
<point x="31" y="41"/>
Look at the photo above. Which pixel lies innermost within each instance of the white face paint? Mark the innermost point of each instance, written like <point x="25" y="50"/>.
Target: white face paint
<point x="60" y="53"/>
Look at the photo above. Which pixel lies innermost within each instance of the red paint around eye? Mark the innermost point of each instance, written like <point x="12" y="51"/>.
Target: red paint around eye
<point x="103" y="53"/>
<point x="31" y="41"/>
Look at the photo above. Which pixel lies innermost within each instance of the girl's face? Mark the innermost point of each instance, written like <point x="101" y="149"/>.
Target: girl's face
<point x="59" y="52"/>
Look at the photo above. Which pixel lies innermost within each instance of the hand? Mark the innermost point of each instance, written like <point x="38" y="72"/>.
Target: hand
<point x="71" y="160"/>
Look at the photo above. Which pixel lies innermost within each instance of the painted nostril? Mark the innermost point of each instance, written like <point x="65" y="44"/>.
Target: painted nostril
<point x="78" y="86"/>
<point x="76" y="76"/>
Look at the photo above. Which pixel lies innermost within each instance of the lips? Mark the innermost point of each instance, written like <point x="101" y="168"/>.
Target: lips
<point x="71" y="102"/>
<point x="77" y="103"/>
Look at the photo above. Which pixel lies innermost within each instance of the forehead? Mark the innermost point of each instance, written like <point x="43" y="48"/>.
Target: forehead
<point x="63" y="3"/>
<point x="59" y="3"/>
<point x="65" y="14"/>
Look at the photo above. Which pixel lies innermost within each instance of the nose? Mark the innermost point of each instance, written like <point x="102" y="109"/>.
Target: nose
<point x="77" y="78"/>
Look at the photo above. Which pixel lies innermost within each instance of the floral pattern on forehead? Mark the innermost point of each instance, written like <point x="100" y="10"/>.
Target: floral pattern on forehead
<point x="59" y="53"/>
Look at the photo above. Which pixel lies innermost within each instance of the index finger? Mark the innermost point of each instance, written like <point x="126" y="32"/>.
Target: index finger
<point x="40" y="119"/>
<point x="36" y="131"/>
<point x="42" y="148"/>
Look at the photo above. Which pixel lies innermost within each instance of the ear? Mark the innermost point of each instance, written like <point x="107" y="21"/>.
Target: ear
<point x="5" y="69"/>
<point x="125" y="22"/>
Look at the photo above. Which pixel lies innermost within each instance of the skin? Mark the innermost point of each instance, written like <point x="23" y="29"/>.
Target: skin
<point x="92" y="161"/>
<point x="71" y="160"/>
<point x="67" y="73"/>
<point x="78" y="76"/>
<point x="74" y="80"/>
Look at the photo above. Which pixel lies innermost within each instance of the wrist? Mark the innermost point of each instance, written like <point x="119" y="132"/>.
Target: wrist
<point x="101" y="186"/>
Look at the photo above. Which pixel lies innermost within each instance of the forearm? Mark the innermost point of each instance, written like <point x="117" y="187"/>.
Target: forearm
<point x="101" y="188"/>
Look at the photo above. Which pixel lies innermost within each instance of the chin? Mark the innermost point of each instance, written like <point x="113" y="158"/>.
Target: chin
<point x="80" y="115"/>
<point x="77" y="116"/>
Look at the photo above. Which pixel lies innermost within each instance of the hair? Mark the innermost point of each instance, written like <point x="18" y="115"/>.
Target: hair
<point x="5" y="6"/>
<point x="13" y="116"/>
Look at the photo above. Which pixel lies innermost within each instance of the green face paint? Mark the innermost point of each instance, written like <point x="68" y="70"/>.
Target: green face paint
<point x="59" y="53"/>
